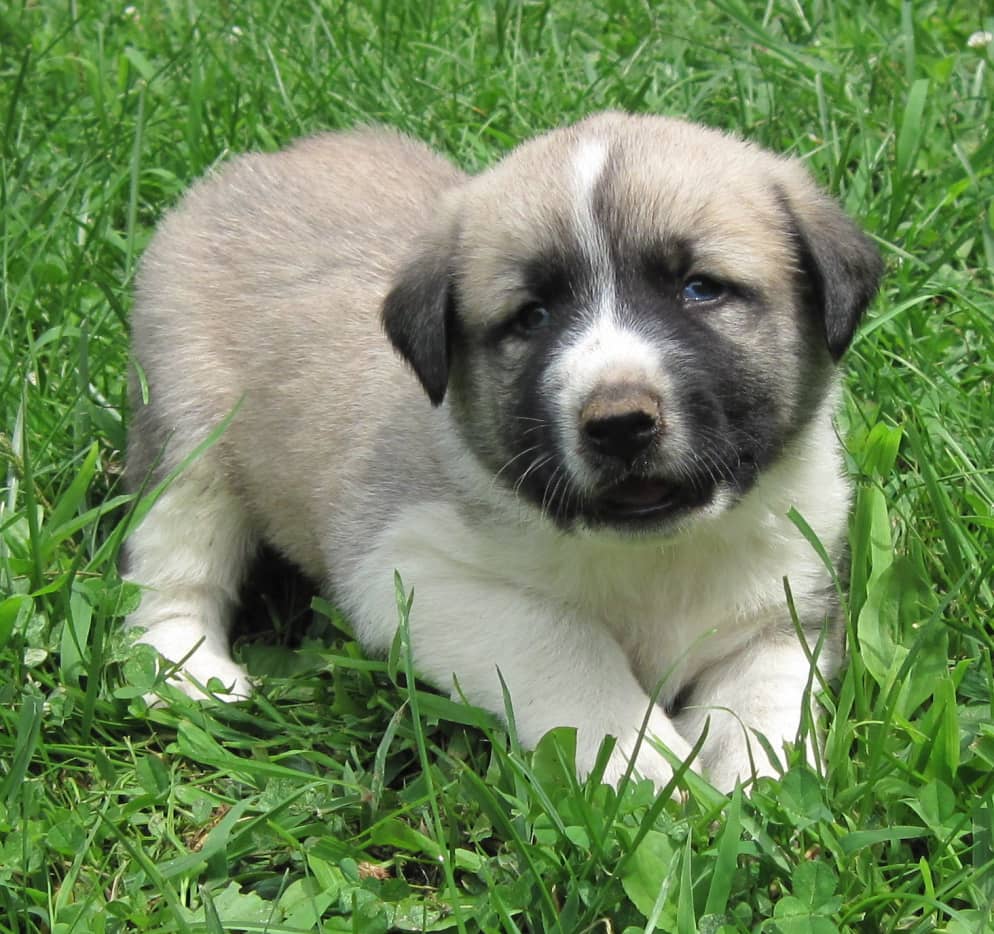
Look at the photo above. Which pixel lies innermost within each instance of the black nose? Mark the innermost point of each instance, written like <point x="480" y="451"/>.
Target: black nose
<point x="621" y="422"/>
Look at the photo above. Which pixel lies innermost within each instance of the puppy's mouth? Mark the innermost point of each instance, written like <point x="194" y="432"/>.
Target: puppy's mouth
<point x="644" y="499"/>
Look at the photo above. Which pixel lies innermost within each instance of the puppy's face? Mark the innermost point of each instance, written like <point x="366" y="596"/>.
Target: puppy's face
<point x="632" y="317"/>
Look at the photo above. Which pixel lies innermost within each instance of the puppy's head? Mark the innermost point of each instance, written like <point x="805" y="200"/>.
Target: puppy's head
<point x="631" y="317"/>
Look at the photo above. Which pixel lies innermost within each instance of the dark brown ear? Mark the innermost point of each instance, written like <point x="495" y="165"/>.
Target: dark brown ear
<point x="417" y="315"/>
<point x="842" y="264"/>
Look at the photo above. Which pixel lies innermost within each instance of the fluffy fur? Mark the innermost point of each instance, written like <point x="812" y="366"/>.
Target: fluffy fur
<point x="619" y="345"/>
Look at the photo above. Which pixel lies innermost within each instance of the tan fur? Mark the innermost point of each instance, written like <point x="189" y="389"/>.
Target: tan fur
<point x="262" y="289"/>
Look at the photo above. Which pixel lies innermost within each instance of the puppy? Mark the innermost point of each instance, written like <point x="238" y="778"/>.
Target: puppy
<point x="620" y="346"/>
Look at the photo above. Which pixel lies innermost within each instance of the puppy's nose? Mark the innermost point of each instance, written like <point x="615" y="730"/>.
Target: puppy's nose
<point x="621" y="421"/>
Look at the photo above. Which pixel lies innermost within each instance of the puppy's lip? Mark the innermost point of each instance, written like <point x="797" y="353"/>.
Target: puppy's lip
<point x="647" y="498"/>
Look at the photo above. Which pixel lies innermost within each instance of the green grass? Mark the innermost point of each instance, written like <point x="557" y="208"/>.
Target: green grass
<point x="337" y="800"/>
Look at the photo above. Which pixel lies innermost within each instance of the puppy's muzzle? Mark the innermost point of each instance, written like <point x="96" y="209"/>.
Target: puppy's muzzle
<point x="621" y="422"/>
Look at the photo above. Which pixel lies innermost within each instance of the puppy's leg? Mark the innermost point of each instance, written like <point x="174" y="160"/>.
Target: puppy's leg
<point x="190" y="554"/>
<point x="560" y="670"/>
<point x="762" y="690"/>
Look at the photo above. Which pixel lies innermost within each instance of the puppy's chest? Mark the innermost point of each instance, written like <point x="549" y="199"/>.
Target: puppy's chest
<point x="677" y="614"/>
<point x="675" y="610"/>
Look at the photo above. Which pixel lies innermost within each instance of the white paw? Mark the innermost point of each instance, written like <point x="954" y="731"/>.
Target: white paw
<point x="725" y="771"/>
<point x="195" y="676"/>
<point x="733" y="753"/>
<point x="203" y="655"/>
<point x="650" y="762"/>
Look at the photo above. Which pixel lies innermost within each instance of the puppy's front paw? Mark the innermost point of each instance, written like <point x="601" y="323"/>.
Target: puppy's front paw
<point x="732" y="751"/>
<point x="650" y="762"/>
<point x="203" y="655"/>
<point x="195" y="676"/>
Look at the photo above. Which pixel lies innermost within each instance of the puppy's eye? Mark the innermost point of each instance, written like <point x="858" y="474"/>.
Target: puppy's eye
<point x="699" y="289"/>
<point x="532" y="317"/>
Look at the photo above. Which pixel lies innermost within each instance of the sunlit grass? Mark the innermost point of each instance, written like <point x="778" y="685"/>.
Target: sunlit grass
<point x="334" y="800"/>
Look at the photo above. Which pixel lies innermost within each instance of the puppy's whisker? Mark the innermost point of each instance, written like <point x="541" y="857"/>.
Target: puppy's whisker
<point x="553" y="499"/>
<point x="548" y="493"/>
<point x="537" y="464"/>
<point x="510" y="461"/>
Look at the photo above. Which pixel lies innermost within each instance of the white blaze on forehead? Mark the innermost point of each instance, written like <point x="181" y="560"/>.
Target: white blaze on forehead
<point x="588" y="163"/>
<point x="589" y="159"/>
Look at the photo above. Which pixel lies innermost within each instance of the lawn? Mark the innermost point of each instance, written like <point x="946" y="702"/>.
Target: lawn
<point x="339" y="798"/>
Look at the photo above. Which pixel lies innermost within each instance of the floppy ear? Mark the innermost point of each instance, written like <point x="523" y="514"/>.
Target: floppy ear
<point x="842" y="264"/>
<point x="417" y="315"/>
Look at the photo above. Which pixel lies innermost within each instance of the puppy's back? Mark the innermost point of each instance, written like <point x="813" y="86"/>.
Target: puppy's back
<point x="262" y="290"/>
